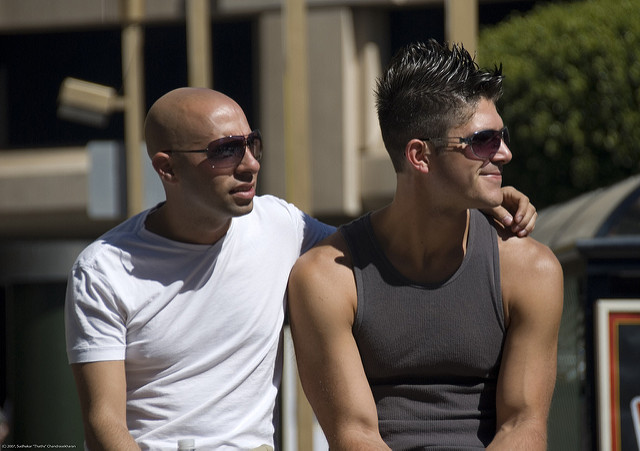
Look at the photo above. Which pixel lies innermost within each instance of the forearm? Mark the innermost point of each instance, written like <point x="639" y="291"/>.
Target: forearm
<point x="361" y="445"/>
<point x="105" y="434"/>
<point x="525" y="436"/>
<point x="103" y="402"/>
<point x="356" y="440"/>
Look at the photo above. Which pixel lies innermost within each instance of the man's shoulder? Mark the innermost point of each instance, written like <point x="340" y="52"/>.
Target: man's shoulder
<point x="112" y="242"/>
<point x="328" y="257"/>
<point x="272" y="211"/>
<point x="331" y="247"/>
<point x="270" y="202"/>
<point x="323" y="276"/>
<point x="525" y="252"/>
<point x="531" y="276"/>
<point x="335" y="249"/>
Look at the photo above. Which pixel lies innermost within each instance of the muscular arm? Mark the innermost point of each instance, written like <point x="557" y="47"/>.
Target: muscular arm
<point x="532" y="290"/>
<point x="322" y="300"/>
<point x="102" y="390"/>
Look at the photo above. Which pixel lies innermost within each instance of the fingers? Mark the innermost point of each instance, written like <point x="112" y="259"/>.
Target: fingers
<point x="502" y="215"/>
<point x="516" y="212"/>
<point x="525" y="226"/>
<point x="524" y="213"/>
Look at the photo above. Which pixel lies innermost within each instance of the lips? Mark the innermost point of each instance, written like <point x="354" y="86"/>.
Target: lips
<point x="493" y="178"/>
<point x="247" y="191"/>
<point x="492" y="172"/>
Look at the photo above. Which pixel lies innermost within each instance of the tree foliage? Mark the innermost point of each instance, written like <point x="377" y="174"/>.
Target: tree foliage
<point x="572" y="95"/>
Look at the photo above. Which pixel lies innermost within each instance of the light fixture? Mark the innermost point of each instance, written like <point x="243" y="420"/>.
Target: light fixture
<point x="87" y="103"/>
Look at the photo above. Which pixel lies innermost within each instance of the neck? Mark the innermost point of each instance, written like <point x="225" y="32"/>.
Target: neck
<point x="425" y="244"/>
<point x="178" y="225"/>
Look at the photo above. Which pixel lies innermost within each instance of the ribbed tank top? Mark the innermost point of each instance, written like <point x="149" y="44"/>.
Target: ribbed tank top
<point x="431" y="352"/>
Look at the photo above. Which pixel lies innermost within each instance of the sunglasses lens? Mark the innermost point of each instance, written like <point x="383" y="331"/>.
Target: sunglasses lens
<point x="254" y="141"/>
<point x="229" y="151"/>
<point x="485" y="144"/>
<point x="226" y="152"/>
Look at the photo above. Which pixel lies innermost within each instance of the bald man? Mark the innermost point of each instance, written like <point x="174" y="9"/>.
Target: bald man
<point x="174" y="317"/>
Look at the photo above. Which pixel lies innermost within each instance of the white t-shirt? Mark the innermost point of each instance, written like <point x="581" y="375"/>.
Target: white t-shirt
<point x="198" y="326"/>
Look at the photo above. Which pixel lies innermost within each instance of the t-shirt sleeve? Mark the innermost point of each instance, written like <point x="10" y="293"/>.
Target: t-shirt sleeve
<point x="314" y="231"/>
<point x="94" y="325"/>
<point x="310" y="231"/>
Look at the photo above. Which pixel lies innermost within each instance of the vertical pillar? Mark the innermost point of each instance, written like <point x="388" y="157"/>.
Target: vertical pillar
<point x="199" y="43"/>
<point x="297" y="153"/>
<point x="132" y="12"/>
<point x="461" y="23"/>
<point x="296" y="106"/>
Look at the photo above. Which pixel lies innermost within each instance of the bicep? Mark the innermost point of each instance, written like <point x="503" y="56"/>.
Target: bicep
<point x="321" y="309"/>
<point x="528" y="368"/>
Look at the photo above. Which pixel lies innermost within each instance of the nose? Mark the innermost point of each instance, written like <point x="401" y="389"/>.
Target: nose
<point x="503" y="154"/>
<point x="249" y="163"/>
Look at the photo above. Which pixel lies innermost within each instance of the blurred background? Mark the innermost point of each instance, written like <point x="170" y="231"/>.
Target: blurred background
<point x="77" y="76"/>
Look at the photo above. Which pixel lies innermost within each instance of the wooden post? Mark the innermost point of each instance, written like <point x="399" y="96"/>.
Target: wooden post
<point x="132" y="12"/>
<point x="297" y="154"/>
<point x="461" y="23"/>
<point x="199" y="43"/>
<point x="296" y="107"/>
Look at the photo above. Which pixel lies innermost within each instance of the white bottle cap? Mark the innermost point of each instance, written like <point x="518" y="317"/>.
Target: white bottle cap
<point x="186" y="444"/>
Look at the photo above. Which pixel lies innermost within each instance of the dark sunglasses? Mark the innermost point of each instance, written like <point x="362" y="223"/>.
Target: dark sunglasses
<point x="484" y="144"/>
<point x="229" y="151"/>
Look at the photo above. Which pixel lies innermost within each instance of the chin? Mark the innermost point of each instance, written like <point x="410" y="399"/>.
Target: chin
<point x="245" y="209"/>
<point x="485" y="204"/>
<point x="493" y="199"/>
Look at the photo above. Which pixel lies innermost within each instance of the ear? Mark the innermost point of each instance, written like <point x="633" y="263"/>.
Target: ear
<point x="417" y="153"/>
<point x="163" y="165"/>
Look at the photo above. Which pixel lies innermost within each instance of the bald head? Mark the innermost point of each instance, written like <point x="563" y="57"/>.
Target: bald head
<point x="188" y="117"/>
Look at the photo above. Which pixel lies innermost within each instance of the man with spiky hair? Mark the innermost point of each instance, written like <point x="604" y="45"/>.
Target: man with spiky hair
<point x="426" y="324"/>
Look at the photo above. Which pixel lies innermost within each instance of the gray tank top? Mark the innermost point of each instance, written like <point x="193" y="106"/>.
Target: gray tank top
<point x="431" y="352"/>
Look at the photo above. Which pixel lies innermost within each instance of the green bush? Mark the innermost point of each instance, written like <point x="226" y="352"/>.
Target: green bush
<point x="572" y="95"/>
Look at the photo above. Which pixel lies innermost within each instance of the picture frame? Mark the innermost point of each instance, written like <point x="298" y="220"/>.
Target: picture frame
<point x="617" y="328"/>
